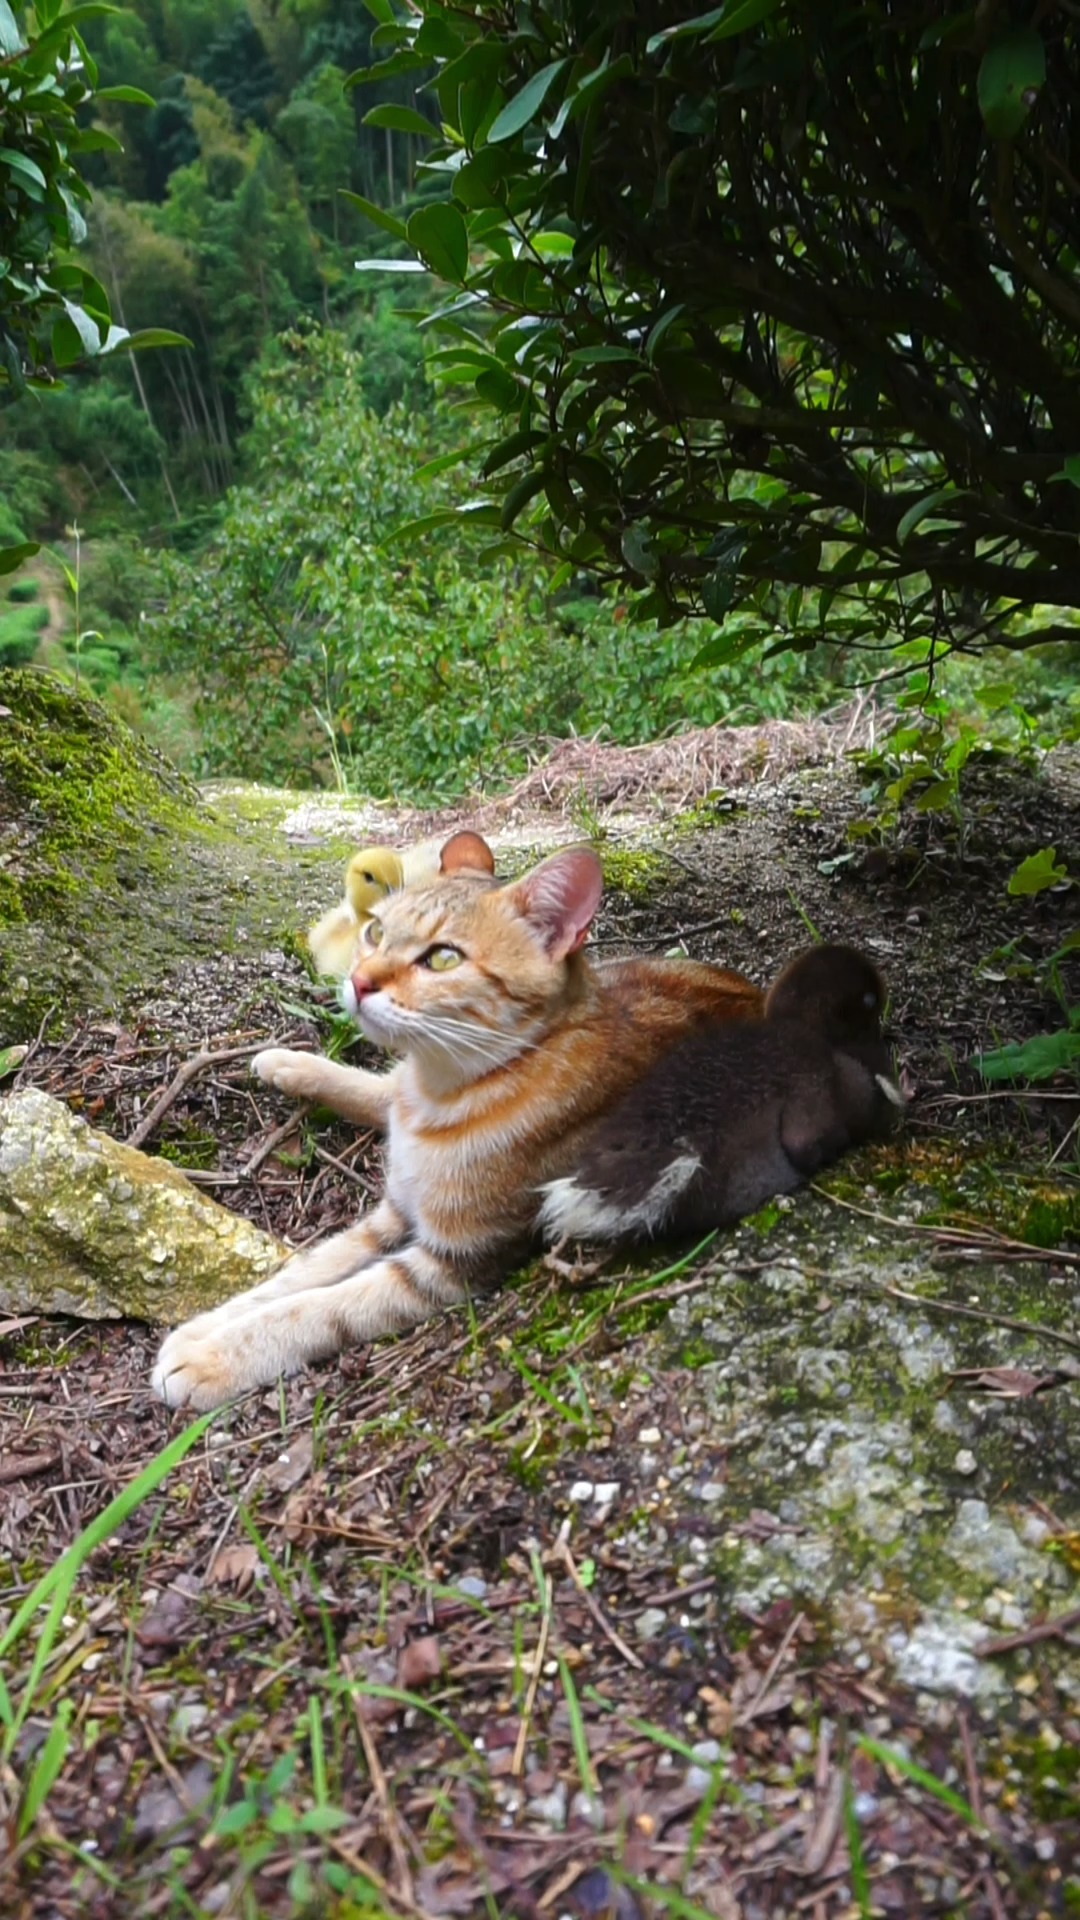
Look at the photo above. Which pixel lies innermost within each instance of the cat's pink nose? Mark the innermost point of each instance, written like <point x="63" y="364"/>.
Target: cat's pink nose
<point x="361" y="985"/>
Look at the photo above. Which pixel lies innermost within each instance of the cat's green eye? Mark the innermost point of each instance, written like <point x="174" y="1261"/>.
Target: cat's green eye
<point x="441" y="959"/>
<point x="373" y="933"/>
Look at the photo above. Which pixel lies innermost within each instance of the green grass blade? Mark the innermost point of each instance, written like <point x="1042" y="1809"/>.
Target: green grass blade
<point x="860" y="1878"/>
<point x="47" y="1768"/>
<point x="58" y="1583"/>
<point x="578" y="1735"/>
<point x="911" y="1770"/>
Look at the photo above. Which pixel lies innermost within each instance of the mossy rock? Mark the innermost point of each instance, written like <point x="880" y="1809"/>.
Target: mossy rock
<point x="112" y="866"/>
<point x="90" y="817"/>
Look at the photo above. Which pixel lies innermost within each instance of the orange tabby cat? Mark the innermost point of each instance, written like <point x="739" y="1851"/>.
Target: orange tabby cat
<point x="514" y="1045"/>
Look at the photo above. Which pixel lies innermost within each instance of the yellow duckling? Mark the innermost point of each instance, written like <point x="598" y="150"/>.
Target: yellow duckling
<point x="373" y="873"/>
<point x="370" y="875"/>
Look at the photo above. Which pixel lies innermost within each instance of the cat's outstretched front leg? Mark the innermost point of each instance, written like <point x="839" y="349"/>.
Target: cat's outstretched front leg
<point x="353" y="1092"/>
<point x="214" y="1358"/>
<point x="340" y="1258"/>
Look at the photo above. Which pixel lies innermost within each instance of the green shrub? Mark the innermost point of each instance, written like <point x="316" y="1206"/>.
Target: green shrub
<point x="23" y="591"/>
<point x="20" y="632"/>
<point x="409" y="669"/>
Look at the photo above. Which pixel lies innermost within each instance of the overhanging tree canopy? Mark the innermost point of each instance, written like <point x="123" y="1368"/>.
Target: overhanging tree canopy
<point x="779" y="305"/>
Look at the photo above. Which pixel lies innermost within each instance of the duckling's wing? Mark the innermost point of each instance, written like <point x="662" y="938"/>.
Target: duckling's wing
<point x="332" y="941"/>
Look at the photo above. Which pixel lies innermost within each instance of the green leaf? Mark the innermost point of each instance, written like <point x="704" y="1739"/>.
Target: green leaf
<point x="718" y="591"/>
<point x="11" y="39"/>
<point x="725" y="648"/>
<point x="134" y="96"/>
<point x="405" y="61"/>
<point x="389" y="266"/>
<point x="924" y="508"/>
<point x="512" y="448"/>
<point x="1036" y="1059"/>
<point x="12" y="1057"/>
<point x="657" y="332"/>
<point x="1010" y="74"/>
<point x="322" y="1820"/>
<point x="96" y="140"/>
<point x="683" y="29"/>
<point x="1070" y="471"/>
<point x="741" y="15"/>
<point x="12" y="557"/>
<point x="526" y="105"/>
<point x="21" y="165"/>
<point x="377" y="215"/>
<point x="75" y="336"/>
<point x="518" y="497"/>
<point x="596" y="356"/>
<point x="235" y="1819"/>
<point x="639" y="551"/>
<point x="1038" y="872"/>
<point x="438" y="234"/>
<point x="437" y="40"/>
<point x="581" y="97"/>
<point x="400" y="120"/>
<point x="485" y="512"/>
<point x="145" y="337"/>
<point x="382" y="11"/>
<point x="444" y="463"/>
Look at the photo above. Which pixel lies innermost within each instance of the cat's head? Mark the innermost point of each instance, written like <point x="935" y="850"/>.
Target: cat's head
<point x="465" y="973"/>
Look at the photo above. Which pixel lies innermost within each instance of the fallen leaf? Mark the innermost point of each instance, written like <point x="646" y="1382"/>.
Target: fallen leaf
<point x="292" y="1466"/>
<point x="1006" y="1383"/>
<point x="719" y="1713"/>
<point x="418" y="1662"/>
<point x="168" y="1622"/>
<point x="234" y="1566"/>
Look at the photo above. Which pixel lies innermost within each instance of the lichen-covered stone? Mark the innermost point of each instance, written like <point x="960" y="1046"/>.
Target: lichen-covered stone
<point x="839" y="1396"/>
<point x="92" y="1227"/>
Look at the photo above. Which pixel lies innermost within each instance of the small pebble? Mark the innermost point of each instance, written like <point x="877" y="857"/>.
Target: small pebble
<point x="472" y="1585"/>
<point x="649" y="1436"/>
<point x="713" y="1490"/>
<point x="550" y="1807"/>
<point x="605" y="1492"/>
<point x="1045" y="1847"/>
<point x="585" y="1806"/>
<point x="650" y="1623"/>
<point x="580" y="1491"/>
<point x="190" y="1715"/>
<point x="965" y="1461"/>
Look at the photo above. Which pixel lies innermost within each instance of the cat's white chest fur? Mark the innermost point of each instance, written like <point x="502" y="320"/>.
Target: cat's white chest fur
<point x="425" y="1162"/>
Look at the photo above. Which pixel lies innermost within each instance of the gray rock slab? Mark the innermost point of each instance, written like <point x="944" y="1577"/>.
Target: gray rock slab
<point x="91" y="1227"/>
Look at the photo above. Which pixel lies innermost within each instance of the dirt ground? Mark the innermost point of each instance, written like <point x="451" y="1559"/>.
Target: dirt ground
<point x="450" y="1627"/>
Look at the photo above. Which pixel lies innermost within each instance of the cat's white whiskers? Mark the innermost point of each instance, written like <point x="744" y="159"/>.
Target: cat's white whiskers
<point x="460" y="1041"/>
<point x="506" y="1044"/>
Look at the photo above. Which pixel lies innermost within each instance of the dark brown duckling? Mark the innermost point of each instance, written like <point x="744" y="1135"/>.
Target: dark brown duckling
<point x="737" y="1114"/>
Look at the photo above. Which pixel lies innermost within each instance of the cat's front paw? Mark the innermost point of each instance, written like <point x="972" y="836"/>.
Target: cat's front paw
<point x="287" y="1069"/>
<point x="202" y="1364"/>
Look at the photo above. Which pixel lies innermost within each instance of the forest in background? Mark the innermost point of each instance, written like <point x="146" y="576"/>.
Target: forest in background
<point x="222" y="506"/>
<point x="215" y="516"/>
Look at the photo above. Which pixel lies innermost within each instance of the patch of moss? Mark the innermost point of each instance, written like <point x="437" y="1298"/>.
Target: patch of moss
<point x="194" y="1149"/>
<point x="639" y="875"/>
<point x="716" y="808"/>
<point x="113" y="870"/>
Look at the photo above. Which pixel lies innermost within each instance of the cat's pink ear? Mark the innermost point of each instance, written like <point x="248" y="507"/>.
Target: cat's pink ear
<point x="466" y="852"/>
<point x="560" y="897"/>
